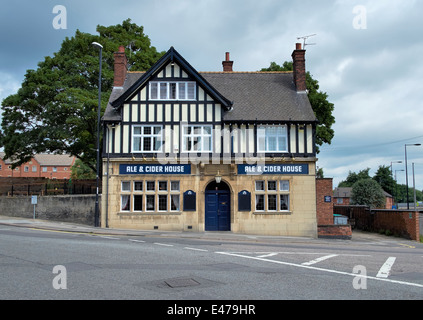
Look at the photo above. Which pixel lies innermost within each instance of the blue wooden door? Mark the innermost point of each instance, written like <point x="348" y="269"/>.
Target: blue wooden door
<point x="217" y="211"/>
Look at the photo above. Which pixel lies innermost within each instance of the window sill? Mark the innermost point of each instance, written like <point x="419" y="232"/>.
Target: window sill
<point x="282" y="213"/>
<point x="155" y="213"/>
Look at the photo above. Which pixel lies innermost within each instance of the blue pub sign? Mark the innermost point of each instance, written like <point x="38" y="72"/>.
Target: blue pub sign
<point x="154" y="169"/>
<point x="258" y="169"/>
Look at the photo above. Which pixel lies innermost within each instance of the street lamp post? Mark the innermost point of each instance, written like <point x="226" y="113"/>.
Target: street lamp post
<point x="406" y="171"/>
<point x="392" y="177"/>
<point x="396" y="183"/>
<point x="97" y="214"/>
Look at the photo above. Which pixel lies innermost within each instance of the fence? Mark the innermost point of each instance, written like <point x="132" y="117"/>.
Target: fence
<point x="403" y="223"/>
<point x="44" y="186"/>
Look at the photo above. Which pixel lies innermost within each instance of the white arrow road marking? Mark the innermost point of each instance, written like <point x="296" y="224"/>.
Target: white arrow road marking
<point x="319" y="259"/>
<point x="386" y="268"/>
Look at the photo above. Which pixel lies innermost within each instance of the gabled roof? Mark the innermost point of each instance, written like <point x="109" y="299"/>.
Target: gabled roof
<point x="245" y="96"/>
<point x="171" y="56"/>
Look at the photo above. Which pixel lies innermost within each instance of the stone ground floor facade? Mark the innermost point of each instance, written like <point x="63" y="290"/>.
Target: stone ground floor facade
<point x="276" y="198"/>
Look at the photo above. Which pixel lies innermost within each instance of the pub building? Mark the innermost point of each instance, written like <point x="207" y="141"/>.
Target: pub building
<point x="209" y="151"/>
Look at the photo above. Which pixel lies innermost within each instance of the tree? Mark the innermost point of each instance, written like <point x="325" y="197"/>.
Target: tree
<point x="384" y="178"/>
<point x="319" y="173"/>
<point x="354" y="177"/>
<point x="322" y="108"/>
<point x="55" y="110"/>
<point x="81" y="171"/>
<point x="367" y="192"/>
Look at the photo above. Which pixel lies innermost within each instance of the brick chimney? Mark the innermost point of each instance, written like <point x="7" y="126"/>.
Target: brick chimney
<point x="120" y="67"/>
<point x="227" y="64"/>
<point x="298" y="57"/>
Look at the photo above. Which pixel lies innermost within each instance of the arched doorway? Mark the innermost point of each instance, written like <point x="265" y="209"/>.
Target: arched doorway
<point x="217" y="207"/>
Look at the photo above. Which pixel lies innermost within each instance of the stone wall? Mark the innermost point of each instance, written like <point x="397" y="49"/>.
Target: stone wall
<point x="67" y="208"/>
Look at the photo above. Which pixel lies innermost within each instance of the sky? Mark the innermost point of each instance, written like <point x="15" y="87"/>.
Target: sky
<point x="366" y="56"/>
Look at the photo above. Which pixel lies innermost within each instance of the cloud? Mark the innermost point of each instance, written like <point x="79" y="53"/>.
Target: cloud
<point x="372" y="75"/>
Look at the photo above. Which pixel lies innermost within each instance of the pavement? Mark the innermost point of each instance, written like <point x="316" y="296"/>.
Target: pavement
<point x="358" y="236"/>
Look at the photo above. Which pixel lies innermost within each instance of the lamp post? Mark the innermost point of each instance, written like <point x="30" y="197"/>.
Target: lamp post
<point x="97" y="214"/>
<point x="396" y="182"/>
<point x="392" y="176"/>
<point x="406" y="171"/>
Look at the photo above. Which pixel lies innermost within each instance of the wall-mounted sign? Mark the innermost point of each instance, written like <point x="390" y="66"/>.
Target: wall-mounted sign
<point x="155" y="169"/>
<point x="257" y="169"/>
<point x="328" y="199"/>
<point x="190" y="200"/>
<point x="244" y="201"/>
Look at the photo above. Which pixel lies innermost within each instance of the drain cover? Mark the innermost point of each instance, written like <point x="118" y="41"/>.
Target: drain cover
<point x="181" y="282"/>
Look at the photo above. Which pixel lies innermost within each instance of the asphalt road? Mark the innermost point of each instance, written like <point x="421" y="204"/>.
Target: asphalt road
<point x="48" y="264"/>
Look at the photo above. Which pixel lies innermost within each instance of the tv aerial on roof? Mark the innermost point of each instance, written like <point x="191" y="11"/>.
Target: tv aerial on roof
<point x="304" y="38"/>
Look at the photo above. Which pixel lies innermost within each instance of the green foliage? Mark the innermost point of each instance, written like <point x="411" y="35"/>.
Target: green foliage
<point x="367" y="192"/>
<point x="81" y="171"/>
<point x="384" y="178"/>
<point x="55" y="110"/>
<point x="388" y="184"/>
<point x="322" y="108"/>
<point x="354" y="177"/>
<point x="320" y="174"/>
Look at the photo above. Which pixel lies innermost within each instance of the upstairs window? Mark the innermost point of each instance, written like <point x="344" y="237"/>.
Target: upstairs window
<point x="272" y="139"/>
<point x="160" y="90"/>
<point x="197" y="138"/>
<point x="147" y="138"/>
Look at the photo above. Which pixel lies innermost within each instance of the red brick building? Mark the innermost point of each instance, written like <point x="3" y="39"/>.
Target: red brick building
<point x="342" y="197"/>
<point x="52" y="166"/>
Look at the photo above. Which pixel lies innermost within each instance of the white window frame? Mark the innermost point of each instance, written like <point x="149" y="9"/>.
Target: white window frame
<point x="133" y="201"/>
<point x="280" y="202"/>
<point x="265" y="134"/>
<point x="140" y="183"/>
<point x="276" y="202"/>
<point x="195" y="135"/>
<point x="128" y="196"/>
<point x="184" y="90"/>
<point x="256" y="202"/>
<point x="151" y="135"/>
<point x="179" y="202"/>
<point x="263" y="183"/>
<point x="128" y="184"/>
<point x="165" y="196"/>
<point x="147" y="195"/>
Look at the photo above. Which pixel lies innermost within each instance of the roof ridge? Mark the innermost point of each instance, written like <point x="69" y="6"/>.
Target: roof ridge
<point x="257" y="72"/>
